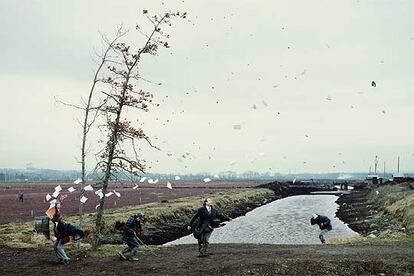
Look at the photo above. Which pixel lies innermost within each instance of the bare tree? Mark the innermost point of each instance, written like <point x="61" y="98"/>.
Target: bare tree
<point x="122" y="94"/>
<point x="91" y="112"/>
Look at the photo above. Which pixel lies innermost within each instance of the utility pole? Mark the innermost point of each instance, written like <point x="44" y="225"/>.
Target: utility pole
<point x="398" y="165"/>
<point x="376" y="164"/>
<point x="384" y="171"/>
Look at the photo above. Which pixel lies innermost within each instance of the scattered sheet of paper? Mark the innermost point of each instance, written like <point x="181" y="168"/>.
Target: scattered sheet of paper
<point x="88" y="188"/>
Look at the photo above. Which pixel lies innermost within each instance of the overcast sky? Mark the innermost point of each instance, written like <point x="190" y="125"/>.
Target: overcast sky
<point x="294" y="75"/>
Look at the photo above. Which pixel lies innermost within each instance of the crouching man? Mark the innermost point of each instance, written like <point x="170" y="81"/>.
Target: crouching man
<point x="209" y="218"/>
<point x="324" y="224"/>
<point x="132" y="230"/>
<point x="63" y="232"/>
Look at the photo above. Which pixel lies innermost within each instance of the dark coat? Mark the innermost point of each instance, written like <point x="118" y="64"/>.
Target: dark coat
<point x="63" y="231"/>
<point x="323" y="222"/>
<point x="132" y="228"/>
<point x="208" y="221"/>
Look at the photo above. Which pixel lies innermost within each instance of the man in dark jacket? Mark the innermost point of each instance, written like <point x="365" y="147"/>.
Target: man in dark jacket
<point x="132" y="230"/>
<point x="63" y="231"/>
<point x="209" y="218"/>
<point x="324" y="224"/>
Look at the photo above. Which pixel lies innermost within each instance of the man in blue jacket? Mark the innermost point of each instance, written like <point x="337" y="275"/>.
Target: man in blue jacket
<point x="209" y="218"/>
<point x="324" y="224"/>
<point x="132" y="230"/>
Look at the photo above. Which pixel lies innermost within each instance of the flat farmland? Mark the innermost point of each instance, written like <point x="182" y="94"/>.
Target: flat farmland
<point x="35" y="204"/>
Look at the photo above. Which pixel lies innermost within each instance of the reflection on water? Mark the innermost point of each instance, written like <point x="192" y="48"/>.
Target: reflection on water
<point x="284" y="221"/>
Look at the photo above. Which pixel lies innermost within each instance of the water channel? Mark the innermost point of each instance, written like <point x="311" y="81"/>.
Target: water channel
<point x="284" y="221"/>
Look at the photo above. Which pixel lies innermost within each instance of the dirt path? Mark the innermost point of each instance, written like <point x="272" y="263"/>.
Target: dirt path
<point x="230" y="259"/>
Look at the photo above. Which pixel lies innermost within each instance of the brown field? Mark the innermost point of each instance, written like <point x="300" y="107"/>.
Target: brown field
<point x="34" y="204"/>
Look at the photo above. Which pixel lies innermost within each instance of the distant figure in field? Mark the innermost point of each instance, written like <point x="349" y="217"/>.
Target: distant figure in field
<point x="20" y="196"/>
<point x="132" y="230"/>
<point x="63" y="231"/>
<point x="324" y="224"/>
<point x="209" y="218"/>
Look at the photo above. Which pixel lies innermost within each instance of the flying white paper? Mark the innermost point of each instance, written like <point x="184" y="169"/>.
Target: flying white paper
<point x="206" y="180"/>
<point x="48" y="197"/>
<point x="216" y="176"/>
<point x="77" y="181"/>
<point x="101" y="195"/>
<point x="293" y="181"/>
<point x="71" y="189"/>
<point x="117" y="194"/>
<point x="143" y="179"/>
<point x="83" y="199"/>
<point x="177" y="177"/>
<point x="97" y="192"/>
<point x="169" y="185"/>
<point x="88" y="188"/>
<point x="58" y="188"/>
<point x="52" y="203"/>
<point x="109" y="194"/>
<point x="135" y="187"/>
<point x="55" y="194"/>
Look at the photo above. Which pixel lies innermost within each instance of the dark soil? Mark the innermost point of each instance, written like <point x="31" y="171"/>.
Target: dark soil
<point x="226" y="259"/>
<point x="356" y="212"/>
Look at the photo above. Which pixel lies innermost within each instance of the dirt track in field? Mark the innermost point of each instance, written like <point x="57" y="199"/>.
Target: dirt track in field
<point x="226" y="259"/>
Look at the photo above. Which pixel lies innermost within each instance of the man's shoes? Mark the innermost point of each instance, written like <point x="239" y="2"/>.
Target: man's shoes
<point x="202" y="255"/>
<point x="134" y="259"/>
<point x="122" y="255"/>
<point x="63" y="262"/>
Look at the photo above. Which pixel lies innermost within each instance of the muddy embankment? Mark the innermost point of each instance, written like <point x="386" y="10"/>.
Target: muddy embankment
<point x="380" y="210"/>
<point x="355" y="211"/>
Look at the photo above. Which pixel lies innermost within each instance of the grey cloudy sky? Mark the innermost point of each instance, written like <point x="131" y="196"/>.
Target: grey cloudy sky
<point x="307" y="66"/>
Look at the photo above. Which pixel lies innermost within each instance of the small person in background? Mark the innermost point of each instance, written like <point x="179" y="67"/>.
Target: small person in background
<point x="324" y="224"/>
<point x="132" y="230"/>
<point x="20" y="196"/>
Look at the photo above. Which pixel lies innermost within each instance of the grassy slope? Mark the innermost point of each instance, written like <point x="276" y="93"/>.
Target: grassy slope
<point x="395" y="204"/>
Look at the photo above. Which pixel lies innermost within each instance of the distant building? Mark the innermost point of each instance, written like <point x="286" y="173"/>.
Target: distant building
<point x="397" y="176"/>
<point x="374" y="178"/>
